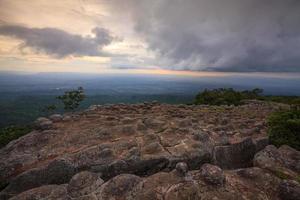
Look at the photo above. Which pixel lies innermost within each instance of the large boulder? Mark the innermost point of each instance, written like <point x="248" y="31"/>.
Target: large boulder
<point x="284" y="162"/>
<point x="236" y="155"/>
<point x="57" y="172"/>
<point x="84" y="183"/>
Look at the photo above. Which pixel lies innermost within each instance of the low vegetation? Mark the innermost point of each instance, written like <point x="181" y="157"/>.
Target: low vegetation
<point x="13" y="132"/>
<point x="229" y="96"/>
<point x="284" y="128"/>
<point x="226" y="96"/>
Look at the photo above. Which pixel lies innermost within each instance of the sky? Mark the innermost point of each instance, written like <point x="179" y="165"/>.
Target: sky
<point x="164" y="36"/>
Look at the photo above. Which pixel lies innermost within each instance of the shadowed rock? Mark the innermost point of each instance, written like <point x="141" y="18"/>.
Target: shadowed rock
<point x="57" y="172"/>
<point x="289" y="190"/>
<point x="237" y="155"/>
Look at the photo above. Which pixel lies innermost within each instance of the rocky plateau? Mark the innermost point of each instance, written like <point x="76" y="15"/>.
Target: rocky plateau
<point x="152" y="151"/>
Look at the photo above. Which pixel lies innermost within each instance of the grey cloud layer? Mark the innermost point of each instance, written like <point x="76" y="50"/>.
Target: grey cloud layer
<point x="58" y="43"/>
<point x="231" y="35"/>
<point x="217" y="35"/>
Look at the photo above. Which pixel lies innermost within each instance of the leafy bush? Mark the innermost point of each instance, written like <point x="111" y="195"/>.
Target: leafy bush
<point x="226" y="96"/>
<point x="12" y="132"/>
<point x="284" y="128"/>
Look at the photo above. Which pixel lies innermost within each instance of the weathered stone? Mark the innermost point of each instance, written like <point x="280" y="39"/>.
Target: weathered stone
<point x="46" y="125"/>
<point x="47" y="192"/>
<point x="236" y="155"/>
<point x="289" y="190"/>
<point x="148" y="166"/>
<point x="290" y="158"/>
<point x="118" y="167"/>
<point x="56" y="117"/>
<point x="261" y="143"/>
<point x="154" y="123"/>
<point x="41" y="119"/>
<point x="212" y="174"/>
<point x="283" y="162"/>
<point x="118" y="187"/>
<point x="267" y="157"/>
<point x="128" y="130"/>
<point x="106" y="153"/>
<point x="250" y="173"/>
<point x="152" y="148"/>
<point x="67" y="118"/>
<point x="84" y="183"/>
<point x="196" y="158"/>
<point x="43" y="123"/>
<point x="224" y="140"/>
<point x="201" y="136"/>
<point x="127" y="120"/>
<point x="57" y="172"/>
<point x="181" y="191"/>
<point x="181" y="168"/>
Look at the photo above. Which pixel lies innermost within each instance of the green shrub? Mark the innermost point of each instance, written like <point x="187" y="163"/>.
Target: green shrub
<point x="10" y="133"/>
<point x="284" y="128"/>
<point x="226" y="96"/>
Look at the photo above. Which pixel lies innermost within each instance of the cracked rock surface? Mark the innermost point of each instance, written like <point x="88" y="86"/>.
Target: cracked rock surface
<point x="148" y="151"/>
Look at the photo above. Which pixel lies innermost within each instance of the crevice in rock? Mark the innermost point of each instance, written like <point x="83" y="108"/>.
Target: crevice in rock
<point x="165" y="148"/>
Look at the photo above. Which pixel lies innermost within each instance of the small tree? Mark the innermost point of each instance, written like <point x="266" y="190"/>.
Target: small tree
<point x="72" y="99"/>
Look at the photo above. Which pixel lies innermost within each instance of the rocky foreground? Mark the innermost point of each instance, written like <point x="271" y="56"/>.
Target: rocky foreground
<point x="152" y="151"/>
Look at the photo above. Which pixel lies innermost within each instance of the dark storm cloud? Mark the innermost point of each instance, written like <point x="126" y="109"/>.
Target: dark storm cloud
<point x="231" y="35"/>
<point x="58" y="43"/>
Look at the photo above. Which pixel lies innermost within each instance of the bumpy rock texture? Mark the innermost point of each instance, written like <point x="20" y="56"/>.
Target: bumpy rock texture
<point x="151" y="151"/>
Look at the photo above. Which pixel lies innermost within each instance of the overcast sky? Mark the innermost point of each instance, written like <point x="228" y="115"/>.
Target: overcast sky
<point x="191" y="35"/>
